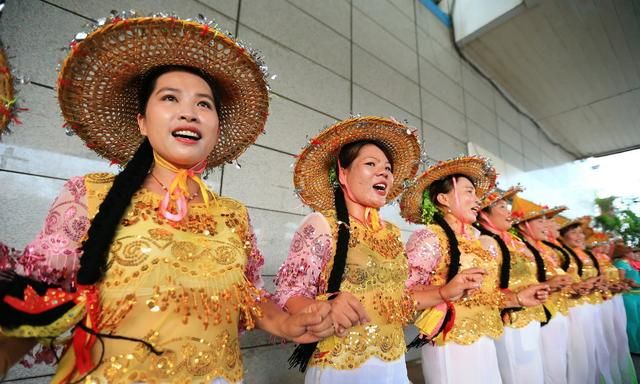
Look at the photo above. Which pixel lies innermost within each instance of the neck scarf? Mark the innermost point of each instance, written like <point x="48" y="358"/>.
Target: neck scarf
<point x="177" y="193"/>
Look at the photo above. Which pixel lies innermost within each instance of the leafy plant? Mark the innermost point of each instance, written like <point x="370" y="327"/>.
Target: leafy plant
<point x="619" y="217"/>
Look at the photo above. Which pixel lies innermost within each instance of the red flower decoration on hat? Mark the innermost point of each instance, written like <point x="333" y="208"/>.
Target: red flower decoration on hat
<point x="519" y="213"/>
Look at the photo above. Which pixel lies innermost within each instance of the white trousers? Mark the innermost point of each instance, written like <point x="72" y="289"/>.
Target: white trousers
<point x="622" y="353"/>
<point x="581" y="357"/>
<point x="555" y="343"/>
<point x="519" y="355"/>
<point x="374" y="371"/>
<point x="461" y="364"/>
<point x="601" y="318"/>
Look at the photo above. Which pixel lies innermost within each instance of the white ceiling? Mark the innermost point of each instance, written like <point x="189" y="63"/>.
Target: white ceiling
<point x="575" y="66"/>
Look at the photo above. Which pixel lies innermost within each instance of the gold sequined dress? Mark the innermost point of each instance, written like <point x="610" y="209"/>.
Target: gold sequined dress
<point x="186" y="288"/>
<point x="468" y="354"/>
<point x="375" y="273"/>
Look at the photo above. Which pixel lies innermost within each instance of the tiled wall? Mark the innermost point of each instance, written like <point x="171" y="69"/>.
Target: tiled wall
<point x="332" y="58"/>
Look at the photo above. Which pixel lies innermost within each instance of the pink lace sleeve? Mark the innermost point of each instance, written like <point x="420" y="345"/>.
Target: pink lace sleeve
<point x="423" y="252"/>
<point x="491" y="245"/>
<point x="53" y="256"/>
<point x="311" y="248"/>
<point x="255" y="260"/>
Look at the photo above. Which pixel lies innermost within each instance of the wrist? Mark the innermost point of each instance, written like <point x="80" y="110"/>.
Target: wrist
<point x="442" y="296"/>
<point x="518" y="301"/>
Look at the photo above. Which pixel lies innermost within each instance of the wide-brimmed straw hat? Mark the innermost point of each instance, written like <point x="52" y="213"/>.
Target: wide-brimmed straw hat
<point x="476" y="168"/>
<point x="311" y="175"/>
<point x="552" y="212"/>
<point x="495" y="195"/>
<point x="6" y="92"/>
<point x="99" y="81"/>
<point x="565" y="222"/>
<point x="524" y="210"/>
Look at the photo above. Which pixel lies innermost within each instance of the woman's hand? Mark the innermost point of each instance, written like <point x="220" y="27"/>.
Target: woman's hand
<point x="465" y="283"/>
<point x="312" y="324"/>
<point x="558" y="283"/>
<point x="346" y="312"/>
<point x="582" y="288"/>
<point x="532" y="295"/>
<point x="601" y="284"/>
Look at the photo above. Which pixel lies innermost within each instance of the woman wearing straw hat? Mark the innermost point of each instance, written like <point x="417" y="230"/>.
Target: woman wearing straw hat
<point x="346" y="254"/>
<point x="588" y="315"/>
<point x="519" y="350"/>
<point x="530" y="219"/>
<point x="628" y="261"/>
<point x="445" y="198"/>
<point x="600" y="245"/>
<point x="155" y="273"/>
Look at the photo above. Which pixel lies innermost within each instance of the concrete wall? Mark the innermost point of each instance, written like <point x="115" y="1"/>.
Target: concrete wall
<point x="332" y="57"/>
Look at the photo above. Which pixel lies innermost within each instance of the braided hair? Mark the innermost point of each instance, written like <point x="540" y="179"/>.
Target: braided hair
<point x="348" y="153"/>
<point x="95" y="249"/>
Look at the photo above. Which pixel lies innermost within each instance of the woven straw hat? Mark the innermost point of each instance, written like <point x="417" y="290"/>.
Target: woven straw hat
<point x="565" y="222"/>
<point x="552" y="212"/>
<point x="524" y="210"/>
<point x="6" y="92"/>
<point x="99" y="80"/>
<point x="311" y="174"/>
<point x="476" y="168"/>
<point x="496" y="195"/>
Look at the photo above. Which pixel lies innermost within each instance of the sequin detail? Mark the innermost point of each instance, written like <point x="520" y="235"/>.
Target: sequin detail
<point x="523" y="272"/>
<point x="477" y="315"/>
<point x="186" y="289"/>
<point x="375" y="273"/>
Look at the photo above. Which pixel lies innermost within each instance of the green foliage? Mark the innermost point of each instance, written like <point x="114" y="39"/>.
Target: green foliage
<point x="428" y="208"/>
<point x="619" y="217"/>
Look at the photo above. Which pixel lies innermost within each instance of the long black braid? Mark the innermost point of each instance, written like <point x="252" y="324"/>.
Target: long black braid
<point x="574" y="256"/>
<point x="442" y="186"/>
<point x="95" y="249"/>
<point x="505" y="268"/>
<point x="302" y="354"/>
<point x="594" y="260"/>
<point x="566" y="257"/>
<point x="540" y="271"/>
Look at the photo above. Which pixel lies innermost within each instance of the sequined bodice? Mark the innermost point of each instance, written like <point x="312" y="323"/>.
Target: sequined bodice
<point x="523" y="273"/>
<point x="559" y="301"/>
<point x="180" y="287"/>
<point x="479" y="314"/>
<point x="375" y="273"/>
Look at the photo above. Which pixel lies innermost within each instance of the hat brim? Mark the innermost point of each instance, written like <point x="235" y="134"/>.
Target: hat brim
<point x="476" y="168"/>
<point x="98" y="83"/>
<point x="311" y="173"/>
<point x="502" y="195"/>
<point x="547" y="213"/>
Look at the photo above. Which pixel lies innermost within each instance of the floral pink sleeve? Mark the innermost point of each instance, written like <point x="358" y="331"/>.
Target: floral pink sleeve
<point x="255" y="260"/>
<point x="423" y="252"/>
<point x="311" y="248"/>
<point x="53" y="256"/>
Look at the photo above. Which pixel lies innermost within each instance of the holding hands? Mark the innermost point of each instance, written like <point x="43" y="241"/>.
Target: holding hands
<point x="558" y="283"/>
<point x="312" y="324"/>
<point x="532" y="295"/>
<point x="465" y="283"/>
<point x="346" y="312"/>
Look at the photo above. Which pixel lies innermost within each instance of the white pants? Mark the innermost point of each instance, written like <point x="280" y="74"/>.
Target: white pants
<point x="607" y="310"/>
<point x="373" y="371"/>
<point x="555" y="343"/>
<point x="461" y="364"/>
<point x="622" y="353"/>
<point x="519" y="355"/>
<point x="601" y="343"/>
<point x="581" y="357"/>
